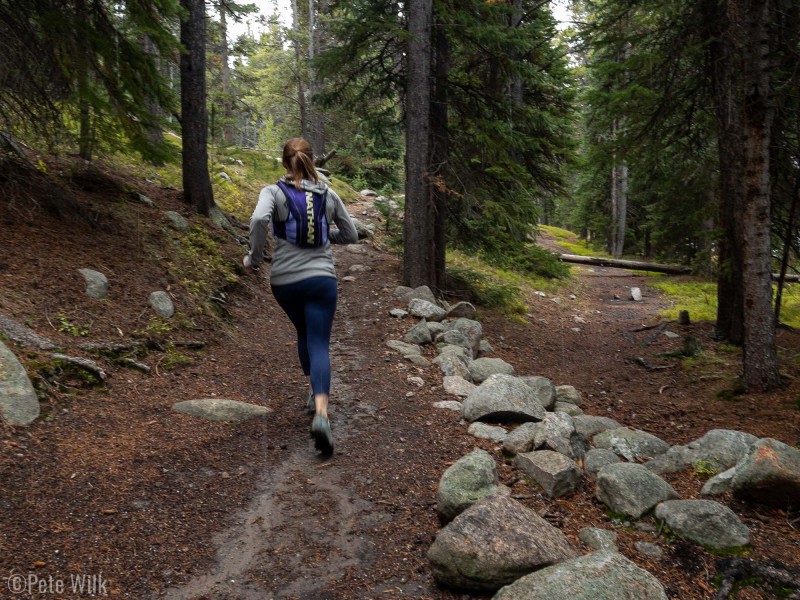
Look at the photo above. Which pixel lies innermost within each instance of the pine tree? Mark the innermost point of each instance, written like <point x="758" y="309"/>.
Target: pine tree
<point x="194" y="118"/>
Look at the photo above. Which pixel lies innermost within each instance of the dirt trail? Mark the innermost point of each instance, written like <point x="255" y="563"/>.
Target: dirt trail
<point x="298" y="506"/>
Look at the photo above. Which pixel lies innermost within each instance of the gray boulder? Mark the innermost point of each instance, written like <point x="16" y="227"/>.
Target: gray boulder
<point x="96" y="283"/>
<point x="554" y="426"/>
<point x="567" y="393"/>
<point x="18" y="402"/>
<point x="492" y="544"/>
<point x="404" y="348"/>
<point x="462" y="309"/>
<point x="457" y="386"/>
<point x="598" y="539"/>
<point x="604" y="575"/>
<point x="357" y="268"/>
<point x="435" y="328"/>
<point x="473" y="330"/>
<point x="631" y="490"/>
<point x="485" y="347"/>
<point x="419" y="334"/>
<point x="503" y="398"/>
<point x="162" y="304"/>
<point x="597" y="458"/>
<point x="418" y="360"/>
<point x="555" y="473"/>
<point x="673" y="460"/>
<point x="453" y="405"/>
<point x="425" y="310"/>
<point x="454" y="338"/>
<point x="487" y="432"/>
<point x="423" y="292"/>
<point x="521" y="439"/>
<point x="717" y="450"/>
<point x="704" y="522"/>
<point x="649" y="549"/>
<point x="567" y="407"/>
<point x="363" y="230"/>
<point x="481" y="369"/>
<point x="398" y="313"/>
<point x="543" y="388"/>
<point x="453" y="364"/>
<point x="557" y="433"/>
<point x="218" y="409"/>
<point x="719" y="484"/>
<point x="723" y="448"/>
<point x="401" y="290"/>
<point x="588" y="425"/>
<point x="631" y="444"/>
<point x="468" y="480"/>
<point x="177" y="221"/>
<point x="770" y="473"/>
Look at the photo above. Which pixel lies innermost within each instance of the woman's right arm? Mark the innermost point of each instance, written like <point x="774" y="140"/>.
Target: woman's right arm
<point x="259" y="226"/>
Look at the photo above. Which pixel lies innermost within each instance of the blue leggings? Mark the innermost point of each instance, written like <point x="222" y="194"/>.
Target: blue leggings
<point x="310" y="305"/>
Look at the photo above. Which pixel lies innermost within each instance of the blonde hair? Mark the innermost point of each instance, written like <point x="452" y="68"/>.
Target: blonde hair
<point x="298" y="160"/>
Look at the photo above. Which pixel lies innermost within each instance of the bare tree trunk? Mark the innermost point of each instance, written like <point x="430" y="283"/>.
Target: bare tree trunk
<point x="418" y="226"/>
<point x="440" y="150"/>
<point x="612" y="239"/>
<point x="760" y="356"/>
<point x="622" y="207"/>
<point x="194" y="118"/>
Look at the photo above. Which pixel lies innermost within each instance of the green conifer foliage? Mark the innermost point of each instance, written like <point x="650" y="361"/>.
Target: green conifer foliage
<point x="84" y="62"/>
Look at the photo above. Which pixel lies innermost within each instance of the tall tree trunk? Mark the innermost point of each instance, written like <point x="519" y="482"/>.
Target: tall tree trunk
<point x="154" y="133"/>
<point x="621" y="180"/>
<point x="418" y="227"/>
<point x="301" y="95"/>
<point x="194" y="118"/>
<point x="225" y="76"/>
<point x="760" y="356"/>
<point x="787" y="247"/>
<point x="725" y="72"/>
<point x="440" y="150"/>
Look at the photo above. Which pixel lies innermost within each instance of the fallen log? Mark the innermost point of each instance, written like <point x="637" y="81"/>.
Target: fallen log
<point x="636" y="265"/>
<point x="624" y="264"/>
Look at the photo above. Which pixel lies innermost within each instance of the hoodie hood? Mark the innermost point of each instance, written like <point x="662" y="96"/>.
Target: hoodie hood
<point x="309" y="186"/>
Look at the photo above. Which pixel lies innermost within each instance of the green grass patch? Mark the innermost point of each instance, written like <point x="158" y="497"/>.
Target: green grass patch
<point x="560" y="234"/>
<point x="700" y="299"/>
<point x="697" y="296"/>
<point x="572" y="243"/>
<point x="494" y="287"/>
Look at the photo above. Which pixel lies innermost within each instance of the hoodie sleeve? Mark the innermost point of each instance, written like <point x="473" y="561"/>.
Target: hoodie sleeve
<point x="346" y="232"/>
<point x="259" y="225"/>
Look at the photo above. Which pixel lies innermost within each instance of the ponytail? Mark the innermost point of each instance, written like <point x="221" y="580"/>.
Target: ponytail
<point x="298" y="160"/>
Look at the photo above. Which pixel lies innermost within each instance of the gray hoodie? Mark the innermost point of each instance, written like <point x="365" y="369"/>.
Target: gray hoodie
<point x="291" y="263"/>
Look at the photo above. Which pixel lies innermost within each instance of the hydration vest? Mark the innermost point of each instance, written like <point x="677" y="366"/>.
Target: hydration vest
<point x="307" y="225"/>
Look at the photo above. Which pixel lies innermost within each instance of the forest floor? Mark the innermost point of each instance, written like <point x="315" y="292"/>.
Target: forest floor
<point x="112" y="483"/>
